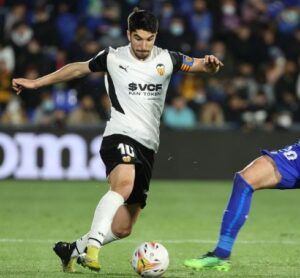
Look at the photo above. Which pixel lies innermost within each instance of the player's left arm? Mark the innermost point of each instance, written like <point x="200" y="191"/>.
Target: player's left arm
<point x="209" y="64"/>
<point x="181" y="62"/>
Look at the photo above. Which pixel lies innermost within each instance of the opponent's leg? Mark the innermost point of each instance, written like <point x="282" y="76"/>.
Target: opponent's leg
<point x="262" y="173"/>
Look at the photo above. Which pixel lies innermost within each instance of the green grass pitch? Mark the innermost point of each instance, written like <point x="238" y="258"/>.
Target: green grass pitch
<point x="183" y="215"/>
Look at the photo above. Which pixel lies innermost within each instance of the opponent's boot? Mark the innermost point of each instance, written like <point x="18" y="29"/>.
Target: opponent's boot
<point x="208" y="261"/>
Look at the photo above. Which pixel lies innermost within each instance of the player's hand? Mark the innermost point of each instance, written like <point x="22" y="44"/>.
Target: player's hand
<point x="212" y="64"/>
<point x="19" y="84"/>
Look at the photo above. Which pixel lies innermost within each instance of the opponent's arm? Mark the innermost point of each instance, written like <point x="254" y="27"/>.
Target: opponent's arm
<point x="68" y="72"/>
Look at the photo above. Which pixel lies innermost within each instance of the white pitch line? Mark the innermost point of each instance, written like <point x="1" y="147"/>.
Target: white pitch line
<point x="170" y="241"/>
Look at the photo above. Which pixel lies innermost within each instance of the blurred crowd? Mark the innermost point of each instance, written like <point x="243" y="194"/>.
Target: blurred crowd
<point x="257" y="40"/>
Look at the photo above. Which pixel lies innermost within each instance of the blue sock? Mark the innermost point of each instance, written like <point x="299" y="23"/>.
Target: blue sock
<point x="234" y="216"/>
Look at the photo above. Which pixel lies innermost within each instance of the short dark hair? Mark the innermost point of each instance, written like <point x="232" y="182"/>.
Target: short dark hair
<point x="142" y="19"/>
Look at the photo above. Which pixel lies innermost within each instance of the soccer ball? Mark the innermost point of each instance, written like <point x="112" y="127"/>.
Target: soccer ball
<point x="150" y="259"/>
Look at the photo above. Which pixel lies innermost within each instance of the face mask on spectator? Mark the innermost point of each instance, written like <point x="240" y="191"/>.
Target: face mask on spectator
<point x="115" y="32"/>
<point x="176" y="29"/>
<point x="228" y="9"/>
<point x="48" y="106"/>
<point x="291" y="16"/>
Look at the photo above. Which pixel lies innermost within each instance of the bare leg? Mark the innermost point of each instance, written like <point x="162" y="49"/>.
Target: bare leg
<point x="121" y="181"/>
<point x="121" y="227"/>
<point x="124" y="220"/>
<point x="261" y="173"/>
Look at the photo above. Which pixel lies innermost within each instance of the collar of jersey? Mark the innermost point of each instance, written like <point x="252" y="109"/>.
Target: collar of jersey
<point x="136" y="59"/>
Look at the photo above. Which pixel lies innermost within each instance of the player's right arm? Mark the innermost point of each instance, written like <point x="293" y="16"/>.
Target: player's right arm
<point x="68" y="72"/>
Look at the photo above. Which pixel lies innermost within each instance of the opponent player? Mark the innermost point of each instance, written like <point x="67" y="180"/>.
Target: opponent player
<point x="274" y="169"/>
<point x="137" y="77"/>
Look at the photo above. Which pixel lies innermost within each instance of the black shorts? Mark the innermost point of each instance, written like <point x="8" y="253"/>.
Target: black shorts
<point x="119" y="149"/>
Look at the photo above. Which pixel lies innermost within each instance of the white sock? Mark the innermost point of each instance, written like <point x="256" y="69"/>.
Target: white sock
<point x="110" y="237"/>
<point x="103" y="217"/>
<point x="82" y="242"/>
<point x="80" y="245"/>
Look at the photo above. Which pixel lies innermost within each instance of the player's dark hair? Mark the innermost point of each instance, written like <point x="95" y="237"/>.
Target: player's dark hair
<point x="142" y="19"/>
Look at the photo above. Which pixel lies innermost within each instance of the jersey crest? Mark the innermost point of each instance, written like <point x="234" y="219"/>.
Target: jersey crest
<point x="160" y="69"/>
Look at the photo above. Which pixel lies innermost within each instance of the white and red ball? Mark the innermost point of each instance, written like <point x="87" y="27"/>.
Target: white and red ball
<point x="150" y="259"/>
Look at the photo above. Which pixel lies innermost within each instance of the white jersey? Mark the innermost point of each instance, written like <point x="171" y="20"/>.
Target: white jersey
<point x="137" y="90"/>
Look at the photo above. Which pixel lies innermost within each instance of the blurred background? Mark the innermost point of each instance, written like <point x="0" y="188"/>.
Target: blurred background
<point x="211" y="125"/>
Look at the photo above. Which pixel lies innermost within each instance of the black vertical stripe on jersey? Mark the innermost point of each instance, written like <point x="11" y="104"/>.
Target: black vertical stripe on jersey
<point x="176" y="58"/>
<point x="113" y="96"/>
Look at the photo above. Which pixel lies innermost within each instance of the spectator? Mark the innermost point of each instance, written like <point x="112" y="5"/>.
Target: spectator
<point x="202" y="24"/>
<point x="287" y="102"/>
<point x="256" y="115"/>
<point x="85" y="113"/>
<point x="7" y="55"/>
<point x="179" y="115"/>
<point x="19" y="38"/>
<point x="289" y="18"/>
<point x="220" y="50"/>
<point x="42" y="23"/>
<point x="16" y="14"/>
<point x="243" y="45"/>
<point x="66" y="24"/>
<point x="44" y="113"/>
<point x="5" y="87"/>
<point x="81" y="38"/>
<point x="113" y="37"/>
<point x="212" y="114"/>
<point x="65" y="98"/>
<point x="14" y="113"/>
<point x="230" y="21"/>
<point x="21" y="34"/>
<point x="35" y="58"/>
<point x="178" y="37"/>
<point x="166" y="14"/>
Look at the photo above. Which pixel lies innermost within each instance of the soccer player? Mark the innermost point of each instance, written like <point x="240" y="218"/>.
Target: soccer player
<point x="274" y="170"/>
<point x="137" y="77"/>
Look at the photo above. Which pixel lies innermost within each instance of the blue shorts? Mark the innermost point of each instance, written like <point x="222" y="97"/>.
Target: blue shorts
<point x="287" y="161"/>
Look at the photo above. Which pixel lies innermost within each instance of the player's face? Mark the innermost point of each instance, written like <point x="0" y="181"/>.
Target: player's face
<point x="141" y="43"/>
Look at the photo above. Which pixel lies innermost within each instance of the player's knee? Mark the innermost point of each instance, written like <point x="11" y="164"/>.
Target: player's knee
<point x="123" y="232"/>
<point x="246" y="178"/>
<point x="242" y="174"/>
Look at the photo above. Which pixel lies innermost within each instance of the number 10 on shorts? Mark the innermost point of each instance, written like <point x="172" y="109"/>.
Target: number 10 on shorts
<point x="126" y="149"/>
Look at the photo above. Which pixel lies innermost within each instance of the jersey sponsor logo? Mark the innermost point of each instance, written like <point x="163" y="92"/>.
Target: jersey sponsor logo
<point x="144" y="87"/>
<point x="160" y="69"/>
